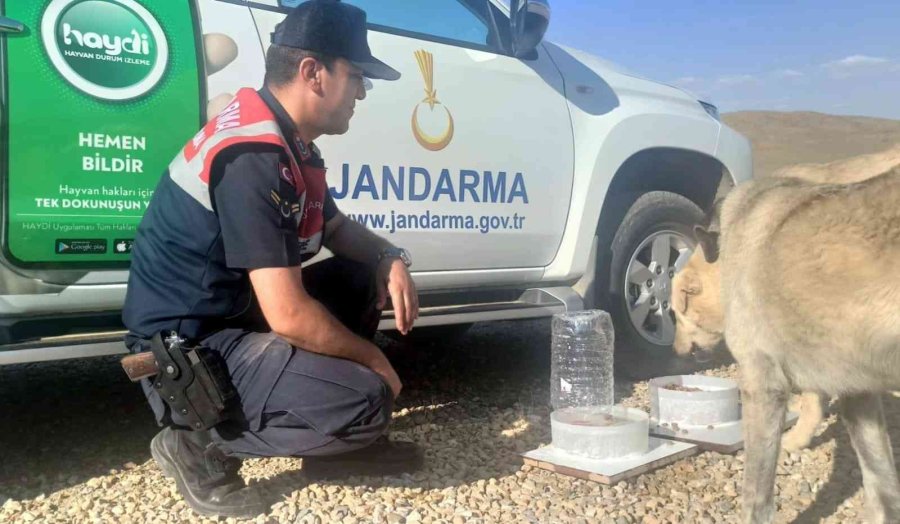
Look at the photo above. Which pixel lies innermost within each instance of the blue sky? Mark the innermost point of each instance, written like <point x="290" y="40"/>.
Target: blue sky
<point x="839" y="57"/>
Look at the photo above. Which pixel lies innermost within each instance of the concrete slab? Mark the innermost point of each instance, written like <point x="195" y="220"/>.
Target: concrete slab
<point x="662" y="452"/>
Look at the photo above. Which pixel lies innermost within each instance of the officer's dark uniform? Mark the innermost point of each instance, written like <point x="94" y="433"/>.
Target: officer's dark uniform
<point x="189" y="274"/>
<point x="245" y="194"/>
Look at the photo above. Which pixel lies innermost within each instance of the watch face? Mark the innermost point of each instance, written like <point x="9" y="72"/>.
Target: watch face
<point x="404" y="256"/>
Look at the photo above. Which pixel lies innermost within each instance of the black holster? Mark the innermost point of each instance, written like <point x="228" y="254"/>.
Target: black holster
<point x="194" y="383"/>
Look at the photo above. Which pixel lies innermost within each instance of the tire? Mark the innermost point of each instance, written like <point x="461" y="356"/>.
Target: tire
<point x="653" y="241"/>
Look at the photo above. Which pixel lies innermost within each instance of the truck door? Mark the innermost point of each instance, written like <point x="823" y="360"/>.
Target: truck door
<point x="100" y="95"/>
<point x="467" y="160"/>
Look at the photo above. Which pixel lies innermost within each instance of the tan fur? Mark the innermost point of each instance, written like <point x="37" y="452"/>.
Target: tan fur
<point x="810" y="296"/>
<point x="811" y="414"/>
<point x="698" y="310"/>
<point x="699" y="318"/>
<point x="855" y="169"/>
<point x="700" y="325"/>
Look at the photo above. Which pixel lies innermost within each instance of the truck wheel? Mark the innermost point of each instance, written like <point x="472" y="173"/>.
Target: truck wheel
<point x="653" y="242"/>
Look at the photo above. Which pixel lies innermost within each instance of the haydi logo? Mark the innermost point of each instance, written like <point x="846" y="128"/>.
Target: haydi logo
<point x="138" y="44"/>
<point x="440" y="140"/>
<point x="111" y="49"/>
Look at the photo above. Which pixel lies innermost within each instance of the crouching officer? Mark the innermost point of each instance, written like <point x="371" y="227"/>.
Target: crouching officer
<point x="217" y="260"/>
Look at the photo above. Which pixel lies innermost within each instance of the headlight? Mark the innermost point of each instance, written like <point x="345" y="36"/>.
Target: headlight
<point x="711" y="110"/>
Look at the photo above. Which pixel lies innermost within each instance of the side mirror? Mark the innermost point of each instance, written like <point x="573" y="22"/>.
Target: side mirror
<point x="528" y="20"/>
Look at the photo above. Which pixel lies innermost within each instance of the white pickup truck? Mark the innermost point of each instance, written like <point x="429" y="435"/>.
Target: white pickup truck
<point x="525" y="178"/>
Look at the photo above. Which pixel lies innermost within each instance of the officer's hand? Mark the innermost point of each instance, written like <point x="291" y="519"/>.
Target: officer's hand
<point x="384" y="368"/>
<point x="394" y="279"/>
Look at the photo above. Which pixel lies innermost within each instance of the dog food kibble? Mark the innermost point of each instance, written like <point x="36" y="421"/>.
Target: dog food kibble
<point x="679" y="387"/>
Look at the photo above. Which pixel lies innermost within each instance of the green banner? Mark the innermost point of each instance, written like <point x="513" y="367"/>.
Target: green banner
<point x="102" y="94"/>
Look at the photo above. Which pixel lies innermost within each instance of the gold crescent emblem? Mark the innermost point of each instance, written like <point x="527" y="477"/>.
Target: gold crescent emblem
<point x="429" y="142"/>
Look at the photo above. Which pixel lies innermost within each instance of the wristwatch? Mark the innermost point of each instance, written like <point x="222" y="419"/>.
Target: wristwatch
<point x="395" y="252"/>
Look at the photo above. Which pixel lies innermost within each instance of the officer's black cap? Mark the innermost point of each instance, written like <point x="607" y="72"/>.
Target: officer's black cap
<point x="332" y="28"/>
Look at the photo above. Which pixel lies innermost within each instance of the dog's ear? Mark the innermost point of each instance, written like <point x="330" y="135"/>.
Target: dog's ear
<point x="709" y="241"/>
<point x="713" y="215"/>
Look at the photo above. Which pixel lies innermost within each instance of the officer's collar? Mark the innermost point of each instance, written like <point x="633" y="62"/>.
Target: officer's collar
<point x="288" y="128"/>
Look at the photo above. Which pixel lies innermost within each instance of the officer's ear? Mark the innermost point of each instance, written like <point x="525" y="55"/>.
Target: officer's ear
<point x="309" y="72"/>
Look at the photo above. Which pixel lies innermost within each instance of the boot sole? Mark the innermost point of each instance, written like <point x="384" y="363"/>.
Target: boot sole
<point x="169" y="469"/>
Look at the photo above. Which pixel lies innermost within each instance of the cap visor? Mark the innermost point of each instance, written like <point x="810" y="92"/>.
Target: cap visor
<point x="375" y="68"/>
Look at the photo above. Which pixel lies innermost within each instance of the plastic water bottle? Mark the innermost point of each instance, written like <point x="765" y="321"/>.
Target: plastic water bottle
<point x="581" y="372"/>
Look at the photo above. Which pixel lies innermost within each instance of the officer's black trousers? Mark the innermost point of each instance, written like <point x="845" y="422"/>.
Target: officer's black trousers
<point x="299" y="403"/>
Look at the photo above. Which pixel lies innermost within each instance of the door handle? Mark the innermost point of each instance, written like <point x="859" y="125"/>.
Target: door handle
<point x="8" y="25"/>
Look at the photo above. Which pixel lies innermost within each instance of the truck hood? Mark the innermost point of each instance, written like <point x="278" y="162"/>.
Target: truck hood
<point x="572" y="62"/>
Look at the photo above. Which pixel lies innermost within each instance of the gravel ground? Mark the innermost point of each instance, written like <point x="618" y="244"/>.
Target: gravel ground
<point x="75" y="449"/>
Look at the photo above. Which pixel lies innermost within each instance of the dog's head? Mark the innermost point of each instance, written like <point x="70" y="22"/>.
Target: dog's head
<point x="699" y="317"/>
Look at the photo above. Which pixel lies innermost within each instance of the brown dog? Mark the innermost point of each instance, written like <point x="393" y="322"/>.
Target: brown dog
<point x="809" y="301"/>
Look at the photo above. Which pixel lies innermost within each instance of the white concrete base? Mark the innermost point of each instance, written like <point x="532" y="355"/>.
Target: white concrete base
<point x="723" y="438"/>
<point x="609" y="471"/>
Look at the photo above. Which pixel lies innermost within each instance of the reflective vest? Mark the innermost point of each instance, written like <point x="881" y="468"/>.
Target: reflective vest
<point x="247" y="119"/>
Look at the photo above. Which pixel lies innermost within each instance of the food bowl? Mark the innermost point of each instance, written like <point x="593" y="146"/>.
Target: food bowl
<point x="694" y="400"/>
<point x="608" y="432"/>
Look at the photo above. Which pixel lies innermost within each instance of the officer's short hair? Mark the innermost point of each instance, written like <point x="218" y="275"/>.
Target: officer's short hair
<point x="282" y="63"/>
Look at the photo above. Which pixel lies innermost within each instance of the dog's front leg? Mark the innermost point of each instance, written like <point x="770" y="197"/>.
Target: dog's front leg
<point x="864" y="417"/>
<point x="763" y="416"/>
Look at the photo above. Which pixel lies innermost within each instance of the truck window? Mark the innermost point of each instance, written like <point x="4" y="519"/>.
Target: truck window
<point x="444" y="19"/>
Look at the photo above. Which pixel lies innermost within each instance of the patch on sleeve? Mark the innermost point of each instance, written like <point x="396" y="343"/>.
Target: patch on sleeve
<point x="285" y="173"/>
<point x="285" y="206"/>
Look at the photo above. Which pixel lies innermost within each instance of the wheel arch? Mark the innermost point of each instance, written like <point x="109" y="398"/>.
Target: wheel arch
<point x="696" y="176"/>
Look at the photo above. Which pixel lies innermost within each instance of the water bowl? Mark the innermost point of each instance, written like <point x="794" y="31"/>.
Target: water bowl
<point x="694" y="400"/>
<point x="608" y="432"/>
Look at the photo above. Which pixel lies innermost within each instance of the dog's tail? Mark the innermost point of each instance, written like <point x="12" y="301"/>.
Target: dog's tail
<point x="811" y="415"/>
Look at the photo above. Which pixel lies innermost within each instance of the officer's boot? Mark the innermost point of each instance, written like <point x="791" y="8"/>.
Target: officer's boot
<point x="206" y="478"/>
